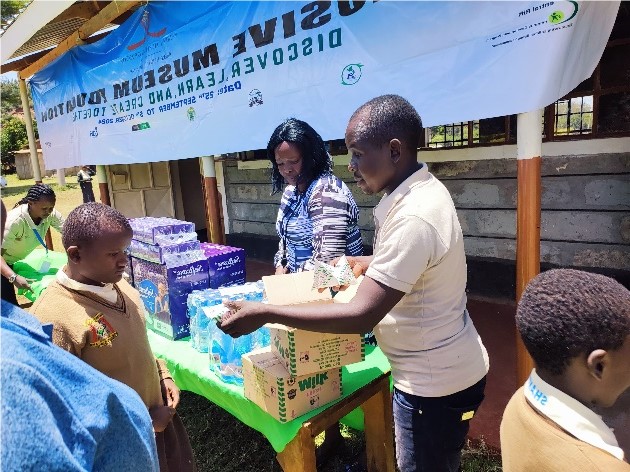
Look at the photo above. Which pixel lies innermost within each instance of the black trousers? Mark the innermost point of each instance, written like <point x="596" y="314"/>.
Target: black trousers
<point x="7" y="291"/>
<point x="88" y="193"/>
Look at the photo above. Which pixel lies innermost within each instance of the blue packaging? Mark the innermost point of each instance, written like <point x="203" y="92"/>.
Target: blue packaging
<point x="164" y="290"/>
<point x="226" y="265"/>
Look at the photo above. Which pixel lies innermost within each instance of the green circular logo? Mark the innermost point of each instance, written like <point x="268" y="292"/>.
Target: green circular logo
<point x="556" y="17"/>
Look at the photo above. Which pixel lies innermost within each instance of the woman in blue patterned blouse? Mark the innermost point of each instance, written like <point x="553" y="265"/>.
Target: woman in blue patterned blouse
<point x="318" y="216"/>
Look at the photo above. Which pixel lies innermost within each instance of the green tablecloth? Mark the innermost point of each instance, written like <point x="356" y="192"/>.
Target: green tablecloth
<point x="29" y="268"/>
<point x="191" y="372"/>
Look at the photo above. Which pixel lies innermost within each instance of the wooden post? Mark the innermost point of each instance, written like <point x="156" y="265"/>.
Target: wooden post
<point x="28" y="121"/>
<point x="213" y="205"/>
<point x="103" y="187"/>
<point x="529" y="150"/>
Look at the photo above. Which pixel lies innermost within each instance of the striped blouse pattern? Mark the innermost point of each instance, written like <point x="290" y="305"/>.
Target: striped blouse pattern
<point x="320" y="224"/>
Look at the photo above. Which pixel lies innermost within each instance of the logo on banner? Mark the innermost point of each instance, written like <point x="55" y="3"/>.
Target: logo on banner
<point x="351" y="74"/>
<point x="94" y="132"/>
<point x="191" y="113"/>
<point x="145" y="25"/>
<point x="255" y="98"/>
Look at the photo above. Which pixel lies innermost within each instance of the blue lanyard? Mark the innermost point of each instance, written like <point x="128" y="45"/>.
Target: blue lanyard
<point x="41" y="241"/>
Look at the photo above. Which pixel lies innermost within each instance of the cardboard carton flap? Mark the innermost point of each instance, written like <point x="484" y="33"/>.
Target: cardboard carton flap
<point x="293" y="289"/>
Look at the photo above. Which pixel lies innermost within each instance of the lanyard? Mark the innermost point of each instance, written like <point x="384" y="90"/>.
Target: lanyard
<point x="41" y="241"/>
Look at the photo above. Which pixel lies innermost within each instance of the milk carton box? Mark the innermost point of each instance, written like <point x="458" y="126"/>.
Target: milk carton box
<point x="285" y="397"/>
<point x="305" y="352"/>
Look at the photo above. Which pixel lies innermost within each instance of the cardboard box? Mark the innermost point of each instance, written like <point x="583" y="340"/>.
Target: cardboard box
<point x="226" y="265"/>
<point x="269" y="385"/>
<point x="306" y="352"/>
<point x="164" y="292"/>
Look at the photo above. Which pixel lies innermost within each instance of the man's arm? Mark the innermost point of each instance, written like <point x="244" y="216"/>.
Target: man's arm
<point x="371" y="303"/>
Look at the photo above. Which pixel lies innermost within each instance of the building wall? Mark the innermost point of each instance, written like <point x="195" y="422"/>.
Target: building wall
<point x="24" y="169"/>
<point x="585" y="203"/>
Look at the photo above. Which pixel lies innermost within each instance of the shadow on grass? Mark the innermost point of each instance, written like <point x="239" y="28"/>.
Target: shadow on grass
<point x="223" y="444"/>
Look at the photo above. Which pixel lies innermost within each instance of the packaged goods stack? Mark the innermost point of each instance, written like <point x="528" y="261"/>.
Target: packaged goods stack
<point x="168" y="264"/>
<point x="226" y="264"/>
<point x="225" y="352"/>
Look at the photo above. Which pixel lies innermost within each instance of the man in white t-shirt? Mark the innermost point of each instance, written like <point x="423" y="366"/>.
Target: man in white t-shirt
<point x="413" y="293"/>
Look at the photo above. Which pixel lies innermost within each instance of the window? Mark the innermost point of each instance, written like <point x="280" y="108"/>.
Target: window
<point x="573" y="116"/>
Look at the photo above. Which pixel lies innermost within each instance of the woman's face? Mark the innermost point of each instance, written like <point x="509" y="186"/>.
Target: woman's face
<point x="42" y="208"/>
<point x="289" y="162"/>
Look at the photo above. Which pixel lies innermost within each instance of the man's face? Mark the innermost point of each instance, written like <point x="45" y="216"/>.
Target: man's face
<point x="105" y="260"/>
<point x="371" y="166"/>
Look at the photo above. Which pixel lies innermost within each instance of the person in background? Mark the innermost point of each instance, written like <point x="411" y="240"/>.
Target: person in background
<point x="59" y="414"/>
<point x="576" y="327"/>
<point x="25" y="230"/>
<point x="84" y="177"/>
<point x="318" y="216"/>
<point x="413" y="294"/>
<point x="97" y="316"/>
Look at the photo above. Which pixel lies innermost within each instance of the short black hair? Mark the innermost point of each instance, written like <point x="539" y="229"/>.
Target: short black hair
<point x="389" y="117"/>
<point x="36" y="193"/>
<point x="87" y="222"/>
<point x="315" y="160"/>
<point x="565" y="313"/>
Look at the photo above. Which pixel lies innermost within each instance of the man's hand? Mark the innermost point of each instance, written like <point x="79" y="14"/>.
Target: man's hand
<point x="281" y="270"/>
<point x="170" y="392"/>
<point x="161" y="416"/>
<point x="23" y="282"/>
<point x="358" y="264"/>
<point x="243" y="318"/>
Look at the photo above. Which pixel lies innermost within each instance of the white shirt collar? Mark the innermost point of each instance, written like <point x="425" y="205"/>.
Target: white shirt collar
<point x="571" y="415"/>
<point x="390" y="200"/>
<point x="106" y="292"/>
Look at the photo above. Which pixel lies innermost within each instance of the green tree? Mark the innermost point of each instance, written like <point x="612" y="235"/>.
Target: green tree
<point x="12" y="138"/>
<point x="9" y="9"/>
<point x="10" y="100"/>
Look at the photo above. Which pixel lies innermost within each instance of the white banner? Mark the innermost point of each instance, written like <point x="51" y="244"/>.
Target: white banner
<point x="187" y="79"/>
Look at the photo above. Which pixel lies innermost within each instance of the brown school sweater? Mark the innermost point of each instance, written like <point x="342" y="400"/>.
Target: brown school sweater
<point x="532" y="443"/>
<point x="111" y="337"/>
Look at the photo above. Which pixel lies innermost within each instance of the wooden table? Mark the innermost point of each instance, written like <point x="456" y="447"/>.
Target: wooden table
<point x="366" y="404"/>
<point x="375" y="401"/>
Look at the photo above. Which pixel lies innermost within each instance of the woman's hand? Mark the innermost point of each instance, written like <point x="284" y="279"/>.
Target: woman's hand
<point x="243" y="318"/>
<point x="358" y="264"/>
<point x="281" y="270"/>
<point x="23" y="282"/>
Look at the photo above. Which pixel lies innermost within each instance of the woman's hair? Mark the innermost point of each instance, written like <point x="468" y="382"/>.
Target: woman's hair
<point x="315" y="160"/>
<point x="36" y="193"/>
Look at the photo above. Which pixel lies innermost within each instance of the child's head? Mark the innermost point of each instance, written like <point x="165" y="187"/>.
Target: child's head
<point x="96" y="238"/>
<point x="576" y="327"/>
<point x="382" y="137"/>
<point x="41" y="200"/>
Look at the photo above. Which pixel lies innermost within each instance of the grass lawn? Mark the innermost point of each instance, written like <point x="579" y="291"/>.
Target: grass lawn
<point x="220" y="442"/>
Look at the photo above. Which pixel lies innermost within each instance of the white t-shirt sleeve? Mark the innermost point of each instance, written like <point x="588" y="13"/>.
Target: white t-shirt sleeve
<point x="56" y="220"/>
<point x="406" y="247"/>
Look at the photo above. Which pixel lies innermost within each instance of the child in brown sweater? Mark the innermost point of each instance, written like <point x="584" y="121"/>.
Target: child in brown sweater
<point x="97" y="316"/>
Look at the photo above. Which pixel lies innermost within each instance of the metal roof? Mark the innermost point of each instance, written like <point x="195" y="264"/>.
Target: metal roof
<point x="43" y="25"/>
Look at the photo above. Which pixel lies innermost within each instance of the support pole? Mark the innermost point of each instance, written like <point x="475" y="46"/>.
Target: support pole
<point x="213" y="204"/>
<point x="61" y="176"/>
<point x="529" y="151"/>
<point x="28" y="120"/>
<point x="103" y="187"/>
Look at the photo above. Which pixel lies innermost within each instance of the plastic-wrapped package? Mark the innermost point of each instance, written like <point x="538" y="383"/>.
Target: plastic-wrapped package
<point x="147" y="229"/>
